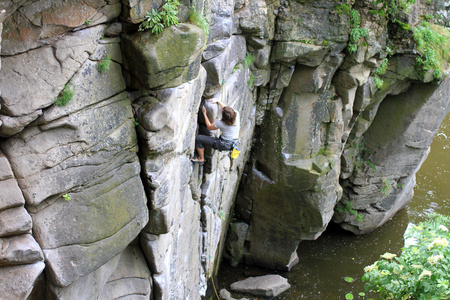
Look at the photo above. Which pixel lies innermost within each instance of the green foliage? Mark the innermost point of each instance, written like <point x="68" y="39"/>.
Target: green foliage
<point x="66" y="197"/>
<point x="104" y="64"/>
<point x="380" y="71"/>
<point x="248" y="60"/>
<point x="392" y="8"/>
<point x="383" y="67"/>
<point x="222" y="215"/>
<point x="88" y="22"/>
<point x="349" y="279"/>
<point x="343" y="9"/>
<point x="432" y="42"/>
<point x="306" y="41"/>
<point x="378" y="82"/>
<point x="65" y="96"/>
<point x="427" y="18"/>
<point x="404" y="26"/>
<point x="359" y="218"/>
<point x="198" y="20"/>
<point x="357" y="33"/>
<point x="250" y="81"/>
<point x="372" y="165"/>
<point x="349" y="296"/>
<point x="349" y="208"/>
<point x="358" y="160"/>
<point x="325" y="43"/>
<point x="422" y="269"/>
<point x="386" y="190"/>
<point x="157" y="21"/>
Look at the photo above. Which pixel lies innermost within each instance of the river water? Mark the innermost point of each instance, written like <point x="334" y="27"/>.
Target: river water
<point x="325" y="263"/>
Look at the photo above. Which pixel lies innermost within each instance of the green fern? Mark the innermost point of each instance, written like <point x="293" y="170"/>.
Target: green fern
<point x="157" y="21"/>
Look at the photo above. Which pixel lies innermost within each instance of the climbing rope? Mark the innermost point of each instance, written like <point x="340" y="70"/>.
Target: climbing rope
<point x="214" y="286"/>
<point x="212" y="204"/>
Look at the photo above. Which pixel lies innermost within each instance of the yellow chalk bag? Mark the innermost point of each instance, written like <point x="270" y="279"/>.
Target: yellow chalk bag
<point x="235" y="153"/>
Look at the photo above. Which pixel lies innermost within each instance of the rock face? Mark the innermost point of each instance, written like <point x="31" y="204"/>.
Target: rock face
<point x="99" y="198"/>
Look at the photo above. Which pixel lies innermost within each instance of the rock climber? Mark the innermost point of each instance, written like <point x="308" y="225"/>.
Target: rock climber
<point x="229" y="126"/>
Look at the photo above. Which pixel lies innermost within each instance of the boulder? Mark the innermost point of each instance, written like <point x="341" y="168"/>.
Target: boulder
<point x="297" y="171"/>
<point x="166" y="60"/>
<point x="33" y="25"/>
<point x="17" y="282"/>
<point x="19" y="250"/>
<point x="236" y="237"/>
<point x="89" y="286"/>
<point x="14" y="221"/>
<point x="131" y="278"/>
<point x="220" y="67"/>
<point x="38" y="89"/>
<point x="398" y="138"/>
<point x="11" y="195"/>
<point x="314" y="21"/>
<point x="267" y="286"/>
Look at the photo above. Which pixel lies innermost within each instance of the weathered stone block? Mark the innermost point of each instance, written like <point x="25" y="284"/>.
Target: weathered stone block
<point x="19" y="250"/>
<point x="268" y="285"/>
<point x="153" y="116"/>
<point x="37" y="88"/>
<point x="165" y="60"/>
<point x="5" y="168"/>
<point x="130" y="279"/>
<point x="14" y="221"/>
<point x="11" y="196"/>
<point x="17" y="282"/>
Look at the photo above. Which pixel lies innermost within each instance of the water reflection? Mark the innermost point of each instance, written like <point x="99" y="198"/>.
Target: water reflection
<point x="325" y="263"/>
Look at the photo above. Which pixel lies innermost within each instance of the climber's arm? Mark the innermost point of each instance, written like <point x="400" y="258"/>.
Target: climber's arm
<point x="209" y="125"/>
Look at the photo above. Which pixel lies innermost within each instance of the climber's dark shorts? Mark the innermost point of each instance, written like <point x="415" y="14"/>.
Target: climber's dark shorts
<point x="217" y="143"/>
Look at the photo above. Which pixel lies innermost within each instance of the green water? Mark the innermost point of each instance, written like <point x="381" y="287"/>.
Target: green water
<point x="337" y="254"/>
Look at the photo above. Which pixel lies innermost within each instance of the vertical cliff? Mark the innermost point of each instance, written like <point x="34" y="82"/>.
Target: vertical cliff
<point x="98" y="119"/>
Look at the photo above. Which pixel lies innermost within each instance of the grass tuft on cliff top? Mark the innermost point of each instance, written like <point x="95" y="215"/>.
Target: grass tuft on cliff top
<point x="433" y="45"/>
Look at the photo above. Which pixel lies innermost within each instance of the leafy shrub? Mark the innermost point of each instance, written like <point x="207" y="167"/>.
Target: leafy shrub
<point x="380" y="71"/>
<point x="422" y="269"/>
<point x="198" y="20"/>
<point x="157" y="21"/>
<point x="432" y="42"/>
<point x="356" y="33"/>
<point x="104" y="64"/>
<point x="65" y="96"/>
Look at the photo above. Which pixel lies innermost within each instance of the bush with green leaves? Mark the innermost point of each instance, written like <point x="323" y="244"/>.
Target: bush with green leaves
<point x="433" y="44"/>
<point x="392" y="8"/>
<point x="158" y="20"/>
<point x="380" y="71"/>
<point x="422" y="271"/>
<point x="357" y="33"/>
